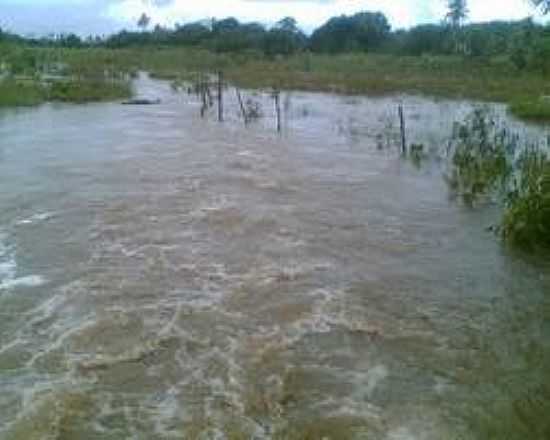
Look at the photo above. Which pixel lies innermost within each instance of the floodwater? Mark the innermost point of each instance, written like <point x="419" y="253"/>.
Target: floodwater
<point x="164" y="276"/>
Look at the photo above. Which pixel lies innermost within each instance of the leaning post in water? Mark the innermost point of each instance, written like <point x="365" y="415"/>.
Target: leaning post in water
<point x="241" y="105"/>
<point x="220" y="96"/>
<point x="276" y="96"/>
<point x="402" y="125"/>
<point x="202" y="91"/>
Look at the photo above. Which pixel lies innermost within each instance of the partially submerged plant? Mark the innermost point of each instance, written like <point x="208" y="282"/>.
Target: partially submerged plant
<point x="537" y="109"/>
<point x="526" y="220"/>
<point x="487" y="161"/>
<point x="417" y="154"/>
<point x="482" y="156"/>
<point x="253" y="109"/>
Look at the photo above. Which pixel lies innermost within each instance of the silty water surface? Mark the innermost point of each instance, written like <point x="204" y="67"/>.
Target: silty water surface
<point x="163" y="275"/>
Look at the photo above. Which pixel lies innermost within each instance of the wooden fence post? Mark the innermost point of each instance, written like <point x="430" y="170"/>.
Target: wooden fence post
<point x="277" y="96"/>
<point x="403" y="133"/>
<point x="220" y="96"/>
<point x="202" y="91"/>
<point x="243" y="110"/>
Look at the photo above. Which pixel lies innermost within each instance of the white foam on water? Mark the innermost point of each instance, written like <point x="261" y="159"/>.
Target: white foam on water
<point x="8" y="269"/>
<point x="351" y="407"/>
<point x="36" y="218"/>
<point x="8" y="265"/>
<point x="28" y="281"/>
<point x="373" y="378"/>
<point x="401" y="433"/>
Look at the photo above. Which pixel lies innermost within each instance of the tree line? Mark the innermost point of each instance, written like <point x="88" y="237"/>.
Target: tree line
<point x="525" y="43"/>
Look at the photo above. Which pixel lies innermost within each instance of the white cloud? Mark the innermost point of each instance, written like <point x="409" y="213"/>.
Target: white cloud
<point x="503" y="10"/>
<point x="309" y="13"/>
<point x="84" y="16"/>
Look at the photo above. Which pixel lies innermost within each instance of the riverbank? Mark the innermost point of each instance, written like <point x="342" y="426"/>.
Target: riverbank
<point x="18" y="93"/>
<point x="494" y="80"/>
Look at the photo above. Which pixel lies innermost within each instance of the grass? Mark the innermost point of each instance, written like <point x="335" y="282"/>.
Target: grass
<point x="481" y="156"/>
<point x="31" y="92"/>
<point x="89" y="91"/>
<point x="441" y="76"/>
<point x="13" y="93"/>
<point x="488" y="161"/>
<point x="532" y="109"/>
<point x="526" y="220"/>
<point x="452" y="77"/>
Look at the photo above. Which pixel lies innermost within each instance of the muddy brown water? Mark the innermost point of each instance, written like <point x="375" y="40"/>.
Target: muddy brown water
<point x="165" y="276"/>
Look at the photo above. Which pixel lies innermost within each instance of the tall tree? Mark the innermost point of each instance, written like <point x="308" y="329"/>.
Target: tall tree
<point x="363" y="31"/>
<point x="458" y="12"/>
<point x="287" y="24"/>
<point x="284" y="38"/>
<point x="143" y="21"/>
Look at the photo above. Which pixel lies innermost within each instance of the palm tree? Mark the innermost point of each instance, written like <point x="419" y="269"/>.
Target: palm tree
<point x="458" y="12"/>
<point x="143" y="21"/>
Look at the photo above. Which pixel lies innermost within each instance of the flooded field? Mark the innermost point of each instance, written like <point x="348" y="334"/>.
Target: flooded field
<point x="164" y="276"/>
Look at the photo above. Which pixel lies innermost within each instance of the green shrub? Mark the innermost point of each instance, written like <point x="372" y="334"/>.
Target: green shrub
<point x="534" y="109"/>
<point x="89" y="90"/>
<point x="13" y="93"/>
<point x="484" y="162"/>
<point x="526" y="220"/>
<point x="480" y="160"/>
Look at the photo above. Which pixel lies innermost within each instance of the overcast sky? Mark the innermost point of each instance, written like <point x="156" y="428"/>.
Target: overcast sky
<point x="84" y="17"/>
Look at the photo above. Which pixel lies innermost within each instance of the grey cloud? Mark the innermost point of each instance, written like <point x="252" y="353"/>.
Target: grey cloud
<point x="39" y="19"/>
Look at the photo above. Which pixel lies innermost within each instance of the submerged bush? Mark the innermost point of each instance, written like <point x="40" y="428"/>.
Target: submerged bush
<point x="527" y="217"/>
<point x="481" y="157"/>
<point x="89" y="90"/>
<point x="13" y="93"/>
<point x="534" y="109"/>
<point x="485" y="162"/>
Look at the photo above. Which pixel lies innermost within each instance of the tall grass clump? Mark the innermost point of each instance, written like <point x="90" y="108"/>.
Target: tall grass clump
<point x="14" y="93"/>
<point x="533" y="109"/>
<point x="526" y="220"/>
<point x="81" y="91"/>
<point x="488" y="160"/>
<point x="481" y="160"/>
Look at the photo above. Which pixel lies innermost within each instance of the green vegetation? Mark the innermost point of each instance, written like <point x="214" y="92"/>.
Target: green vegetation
<point x="32" y="92"/>
<point x="487" y="161"/>
<point x="498" y="61"/>
<point x="32" y="75"/>
<point x="88" y="91"/>
<point x="494" y="79"/>
<point x="533" y="109"/>
<point x="527" y="218"/>
<point x="480" y="158"/>
<point x="14" y="93"/>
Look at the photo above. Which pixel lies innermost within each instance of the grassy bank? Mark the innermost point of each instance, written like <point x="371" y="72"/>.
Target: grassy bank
<point x="13" y="93"/>
<point x="532" y="109"/>
<point x="488" y="161"/>
<point x="89" y="91"/>
<point x="441" y="76"/>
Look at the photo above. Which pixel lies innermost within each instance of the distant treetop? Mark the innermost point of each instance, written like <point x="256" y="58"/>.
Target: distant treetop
<point x="544" y="5"/>
<point x="143" y="21"/>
